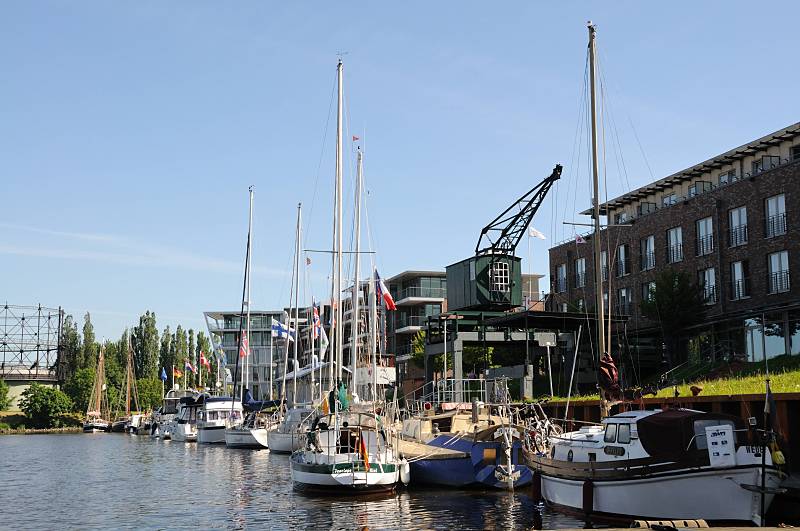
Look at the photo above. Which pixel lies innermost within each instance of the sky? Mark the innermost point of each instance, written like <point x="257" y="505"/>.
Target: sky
<point x="130" y="132"/>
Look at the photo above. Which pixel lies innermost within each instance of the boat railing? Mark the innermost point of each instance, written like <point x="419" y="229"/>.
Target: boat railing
<point x="457" y="391"/>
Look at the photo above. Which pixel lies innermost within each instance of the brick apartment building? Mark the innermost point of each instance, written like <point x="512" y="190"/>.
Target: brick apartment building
<point x="732" y="222"/>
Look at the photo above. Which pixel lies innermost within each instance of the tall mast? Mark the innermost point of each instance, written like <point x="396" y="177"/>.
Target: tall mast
<point x="338" y="222"/>
<point x="598" y="273"/>
<point x="296" y="304"/>
<point x="373" y="337"/>
<point x="246" y="363"/>
<point x="355" y="319"/>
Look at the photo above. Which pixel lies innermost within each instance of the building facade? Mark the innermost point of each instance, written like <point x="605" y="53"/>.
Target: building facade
<point x="730" y="222"/>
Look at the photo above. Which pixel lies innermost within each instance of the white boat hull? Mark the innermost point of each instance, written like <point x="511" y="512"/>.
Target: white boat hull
<point x="711" y="494"/>
<point x="211" y="435"/>
<point x="313" y="471"/>
<point x="246" y="438"/>
<point x="184" y="433"/>
<point x="285" y="443"/>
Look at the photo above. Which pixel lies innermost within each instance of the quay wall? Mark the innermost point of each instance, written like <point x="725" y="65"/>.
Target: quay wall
<point x="786" y="418"/>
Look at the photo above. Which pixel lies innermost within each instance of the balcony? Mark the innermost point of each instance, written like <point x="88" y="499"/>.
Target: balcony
<point x="737" y="236"/>
<point x="705" y="245"/>
<point x="775" y="225"/>
<point x="580" y="279"/>
<point x="409" y="323"/>
<point x="648" y="260"/>
<point x="740" y="289"/>
<point x="675" y="253"/>
<point x="623" y="267"/>
<point x="779" y="282"/>
<point x="710" y="294"/>
<point x="419" y="294"/>
<point x="604" y="272"/>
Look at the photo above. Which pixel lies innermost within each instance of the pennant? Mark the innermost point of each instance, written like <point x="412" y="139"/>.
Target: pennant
<point x="383" y="292"/>
<point x="355" y="138"/>
<point x="533" y="233"/>
<point x="308" y="260"/>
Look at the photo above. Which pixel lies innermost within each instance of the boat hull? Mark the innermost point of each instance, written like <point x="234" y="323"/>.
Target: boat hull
<point x="343" y="478"/>
<point x="712" y="494"/>
<point x="95" y="427"/>
<point x="284" y="443"/>
<point x="211" y="434"/>
<point x="184" y="433"/>
<point x="254" y="438"/>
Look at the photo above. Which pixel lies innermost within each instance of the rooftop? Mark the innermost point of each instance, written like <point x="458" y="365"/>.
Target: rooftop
<point x="411" y="273"/>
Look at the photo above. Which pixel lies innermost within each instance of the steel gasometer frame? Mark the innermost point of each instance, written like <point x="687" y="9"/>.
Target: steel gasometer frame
<point x="30" y="342"/>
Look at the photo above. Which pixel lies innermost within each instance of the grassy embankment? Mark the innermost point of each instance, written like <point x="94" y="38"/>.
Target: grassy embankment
<point x="735" y="379"/>
<point x="15" y="422"/>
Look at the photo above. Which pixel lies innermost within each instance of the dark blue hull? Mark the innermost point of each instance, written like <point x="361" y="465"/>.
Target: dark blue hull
<point x="478" y="469"/>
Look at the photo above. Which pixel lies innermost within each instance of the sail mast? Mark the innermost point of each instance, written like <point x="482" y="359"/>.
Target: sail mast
<point x="355" y="319"/>
<point x="296" y="303"/>
<point x="246" y="362"/>
<point x="338" y="223"/>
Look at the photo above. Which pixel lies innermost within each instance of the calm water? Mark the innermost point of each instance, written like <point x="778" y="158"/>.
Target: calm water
<point x="122" y="481"/>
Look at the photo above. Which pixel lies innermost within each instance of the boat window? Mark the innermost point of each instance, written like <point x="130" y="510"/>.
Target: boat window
<point x="212" y="415"/>
<point x="201" y="415"/>
<point x="611" y="433"/>
<point x="569" y="456"/>
<point x="592" y="457"/>
<point x="700" y="430"/>
<point x="223" y="414"/>
<point x="624" y="433"/>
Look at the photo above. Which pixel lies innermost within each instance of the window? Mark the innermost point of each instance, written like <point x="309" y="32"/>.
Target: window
<point x="620" y="217"/>
<point x="623" y="265"/>
<point x="501" y="279"/>
<point x="561" y="278"/>
<point x="707" y="281"/>
<point x="727" y="177"/>
<point x="611" y="433"/>
<point x="776" y="216"/>
<point x="796" y="152"/>
<point x="580" y="305"/>
<point x="739" y="280"/>
<point x="669" y="199"/>
<point x="648" y="289"/>
<point x="737" y="234"/>
<point x="604" y="264"/>
<point x="624" y="433"/>
<point x="705" y="237"/>
<point x="648" y="249"/>
<point x="564" y="307"/>
<point x="779" y="272"/>
<point x="699" y="187"/>
<point x="624" y="301"/>
<point x="765" y="163"/>
<point x="674" y="245"/>
<point x="645" y="207"/>
<point x="580" y="272"/>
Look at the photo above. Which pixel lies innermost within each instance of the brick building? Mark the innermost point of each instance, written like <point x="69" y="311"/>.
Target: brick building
<point x="731" y="222"/>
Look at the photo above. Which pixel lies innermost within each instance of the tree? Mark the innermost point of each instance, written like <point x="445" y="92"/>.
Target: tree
<point x="165" y="358"/>
<point x="5" y="402"/>
<point x="89" y="358"/>
<point x="204" y="347"/>
<point x="676" y="303"/>
<point x="72" y="350"/>
<point x="145" y="346"/>
<point x="191" y="355"/>
<point x="44" y="405"/>
<point x="79" y="388"/>
<point x="149" y="390"/>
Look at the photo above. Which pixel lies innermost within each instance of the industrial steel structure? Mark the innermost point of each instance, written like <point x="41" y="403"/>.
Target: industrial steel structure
<point x="31" y="342"/>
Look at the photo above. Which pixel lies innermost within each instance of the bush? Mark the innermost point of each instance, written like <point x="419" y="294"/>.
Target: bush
<point x="5" y="402"/>
<point x="4" y="426"/>
<point x="149" y="390"/>
<point x="78" y="388"/>
<point x="44" y="405"/>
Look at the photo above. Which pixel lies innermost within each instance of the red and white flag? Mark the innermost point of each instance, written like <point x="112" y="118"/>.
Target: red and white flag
<point x="579" y="239"/>
<point x="383" y="292"/>
<point x="204" y="360"/>
<point x="244" y="349"/>
<point x="355" y="138"/>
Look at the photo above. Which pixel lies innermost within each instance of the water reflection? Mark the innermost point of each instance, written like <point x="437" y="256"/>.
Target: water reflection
<point x="111" y="480"/>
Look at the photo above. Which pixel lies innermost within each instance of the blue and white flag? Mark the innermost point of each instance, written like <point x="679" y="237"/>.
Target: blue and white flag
<point x="281" y="330"/>
<point x="163" y="374"/>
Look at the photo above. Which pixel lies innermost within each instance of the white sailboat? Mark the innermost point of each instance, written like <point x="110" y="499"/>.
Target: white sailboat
<point x="672" y="464"/>
<point x="344" y="450"/>
<point x="97" y="414"/>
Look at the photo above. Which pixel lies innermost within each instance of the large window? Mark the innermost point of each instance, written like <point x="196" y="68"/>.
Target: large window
<point x="580" y="272"/>
<point x="674" y="245"/>
<point x="705" y="236"/>
<point x="561" y="278"/>
<point x="648" y="289"/>
<point x="648" y="250"/>
<point x="776" y="216"/>
<point x="699" y="187"/>
<point x="624" y="301"/>
<point x="737" y="232"/>
<point x="604" y="264"/>
<point x="739" y="273"/>
<point x="727" y="177"/>
<point x="623" y="260"/>
<point x="708" y="282"/>
<point x="501" y="277"/>
<point x="765" y="163"/>
<point x="778" y="265"/>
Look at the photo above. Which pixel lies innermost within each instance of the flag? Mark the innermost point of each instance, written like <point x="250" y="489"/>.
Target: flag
<point x="383" y="292"/>
<point x="579" y="239"/>
<point x="244" y="347"/>
<point x="533" y="233"/>
<point x="316" y="324"/>
<point x="355" y="138"/>
<point x="363" y="448"/>
<point x="323" y="343"/>
<point x="163" y="374"/>
<point x="204" y="361"/>
<point x="308" y="260"/>
<point x="188" y="366"/>
<point x="280" y="330"/>
<point x="176" y="372"/>
<point x="324" y="406"/>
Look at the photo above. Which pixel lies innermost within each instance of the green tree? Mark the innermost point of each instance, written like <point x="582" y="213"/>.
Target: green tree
<point x="79" y="388"/>
<point x="89" y="358"/>
<point x="204" y="347"/>
<point x="165" y="358"/>
<point x="149" y="390"/>
<point x="72" y="351"/>
<point x="190" y="352"/>
<point x="146" y="346"/>
<point x="44" y="405"/>
<point x="675" y="304"/>
<point x="5" y="402"/>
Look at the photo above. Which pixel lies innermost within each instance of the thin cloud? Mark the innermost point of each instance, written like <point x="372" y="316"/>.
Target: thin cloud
<point x="87" y="236"/>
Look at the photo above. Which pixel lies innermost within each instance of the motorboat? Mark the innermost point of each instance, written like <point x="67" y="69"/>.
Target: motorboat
<point x="215" y="414"/>
<point x="183" y="427"/>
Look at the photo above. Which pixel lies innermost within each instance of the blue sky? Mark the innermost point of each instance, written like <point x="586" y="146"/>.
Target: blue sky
<point x="129" y="132"/>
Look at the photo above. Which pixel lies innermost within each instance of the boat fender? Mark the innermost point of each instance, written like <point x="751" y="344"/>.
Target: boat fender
<point x="588" y="497"/>
<point x="405" y="472"/>
<point x="537" y="486"/>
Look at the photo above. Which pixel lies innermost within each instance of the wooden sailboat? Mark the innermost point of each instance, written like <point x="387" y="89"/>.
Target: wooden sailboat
<point x="344" y="451"/>
<point x="130" y="421"/>
<point x="97" y="414"/>
<point x="652" y="465"/>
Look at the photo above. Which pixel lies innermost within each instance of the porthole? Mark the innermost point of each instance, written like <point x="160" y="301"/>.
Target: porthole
<point x="569" y="456"/>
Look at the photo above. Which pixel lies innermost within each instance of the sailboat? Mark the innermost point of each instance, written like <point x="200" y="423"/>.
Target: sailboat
<point x="652" y="465"/>
<point x="97" y="413"/>
<point x="345" y="451"/>
<point x="130" y="421"/>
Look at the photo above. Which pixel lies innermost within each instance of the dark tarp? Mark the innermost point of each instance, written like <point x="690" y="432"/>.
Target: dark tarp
<point x="667" y="435"/>
<point x="250" y="404"/>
